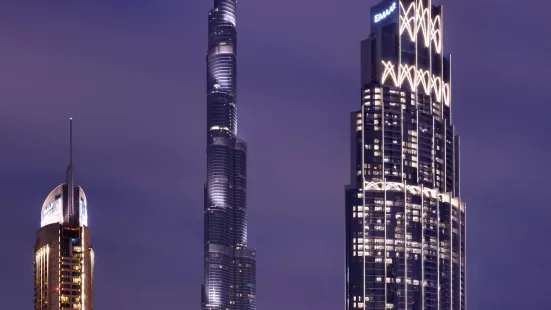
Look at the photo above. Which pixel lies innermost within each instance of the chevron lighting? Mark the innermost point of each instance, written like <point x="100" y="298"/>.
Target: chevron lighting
<point x="416" y="22"/>
<point x="416" y="19"/>
<point x="416" y="78"/>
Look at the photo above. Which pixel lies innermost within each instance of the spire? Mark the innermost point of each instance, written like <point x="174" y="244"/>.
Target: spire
<point x="70" y="215"/>
<point x="70" y="142"/>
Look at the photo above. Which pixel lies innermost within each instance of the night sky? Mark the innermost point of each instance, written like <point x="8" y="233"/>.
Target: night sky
<point x="132" y="74"/>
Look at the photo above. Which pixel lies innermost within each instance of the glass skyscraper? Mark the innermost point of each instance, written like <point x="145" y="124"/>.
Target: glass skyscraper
<point x="64" y="257"/>
<point x="405" y="221"/>
<point x="229" y="265"/>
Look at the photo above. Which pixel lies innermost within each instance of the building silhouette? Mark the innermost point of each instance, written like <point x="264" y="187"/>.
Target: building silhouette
<point x="64" y="258"/>
<point x="405" y="222"/>
<point x="229" y="265"/>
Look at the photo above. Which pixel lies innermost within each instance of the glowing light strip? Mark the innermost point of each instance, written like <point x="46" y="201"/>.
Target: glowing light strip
<point x="363" y="210"/>
<point x="416" y="19"/>
<point x="58" y="288"/>
<point x="42" y="258"/>
<point x="464" y="268"/>
<point x="92" y="263"/>
<point x="420" y="77"/>
<point x="405" y="239"/>
<point x="406" y="21"/>
<point x="219" y="128"/>
<point x="415" y="190"/>
<point x="47" y="264"/>
<point x="436" y="34"/>
<point x="384" y="194"/>
<point x="438" y="288"/>
<point x="450" y="258"/>
<point x="39" y="270"/>
<point x="83" y="271"/>
<point x="423" y="17"/>
<point x="422" y="249"/>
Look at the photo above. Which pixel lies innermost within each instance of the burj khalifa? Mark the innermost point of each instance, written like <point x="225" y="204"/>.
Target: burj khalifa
<point x="229" y="265"/>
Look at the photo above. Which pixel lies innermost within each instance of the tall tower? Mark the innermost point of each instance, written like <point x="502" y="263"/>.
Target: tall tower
<point x="229" y="265"/>
<point x="405" y="222"/>
<point x="64" y="258"/>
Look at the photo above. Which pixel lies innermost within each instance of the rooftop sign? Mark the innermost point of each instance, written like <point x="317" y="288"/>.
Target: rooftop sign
<point x="384" y="13"/>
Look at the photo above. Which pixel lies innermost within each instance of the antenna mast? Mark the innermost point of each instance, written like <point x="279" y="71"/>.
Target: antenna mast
<point x="70" y="216"/>
<point x="71" y="141"/>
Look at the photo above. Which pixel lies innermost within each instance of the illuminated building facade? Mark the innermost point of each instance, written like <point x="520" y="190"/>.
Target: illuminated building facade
<point x="405" y="222"/>
<point x="64" y="258"/>
<point x="229" y="265"/>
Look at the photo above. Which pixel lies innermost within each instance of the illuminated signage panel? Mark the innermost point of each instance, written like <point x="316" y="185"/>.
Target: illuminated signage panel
<point x="83" y="212"/>
<point x="384" y="13"/>
<point x="53" y="213"/>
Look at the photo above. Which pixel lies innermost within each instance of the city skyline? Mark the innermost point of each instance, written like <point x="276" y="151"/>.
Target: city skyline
<point x="145" y="160"/>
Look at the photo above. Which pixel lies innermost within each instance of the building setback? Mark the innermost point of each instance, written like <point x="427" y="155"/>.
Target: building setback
<point x="229" y="265"/>
<point x="405" y="222"/>
<point x="64" y="258"/>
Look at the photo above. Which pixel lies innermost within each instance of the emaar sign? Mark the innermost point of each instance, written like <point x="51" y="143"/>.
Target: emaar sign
<point x="384" y="14"/>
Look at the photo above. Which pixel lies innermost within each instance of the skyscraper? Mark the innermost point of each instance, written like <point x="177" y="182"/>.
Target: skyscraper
<point x="229" y="265"/>
<point x="64" y="258"/>
<point x="405" y="222"/>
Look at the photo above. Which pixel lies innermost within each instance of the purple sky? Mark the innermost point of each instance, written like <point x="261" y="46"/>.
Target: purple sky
<point x="132" y="74"/>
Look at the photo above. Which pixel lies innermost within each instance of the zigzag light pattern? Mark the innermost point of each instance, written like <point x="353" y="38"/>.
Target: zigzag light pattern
<point x="415" y="78"/>
<point x="416" y="19"/>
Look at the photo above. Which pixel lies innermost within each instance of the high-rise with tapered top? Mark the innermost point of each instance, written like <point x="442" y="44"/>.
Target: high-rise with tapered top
<point x="229" y="264"/>
<point x="64" y="258"/>
<point x="405" y="221"/>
